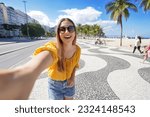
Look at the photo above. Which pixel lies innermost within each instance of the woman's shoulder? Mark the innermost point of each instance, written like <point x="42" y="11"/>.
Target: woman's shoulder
<point x="78" y="50"/>
<point x="49" y="46"/>
<point x="78" y="47"/>
<point x="51" y="43"/>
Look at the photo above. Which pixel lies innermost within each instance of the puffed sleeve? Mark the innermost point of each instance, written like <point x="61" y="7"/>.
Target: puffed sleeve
<point x="78" y="57"/>
<point x="48" y="47"/>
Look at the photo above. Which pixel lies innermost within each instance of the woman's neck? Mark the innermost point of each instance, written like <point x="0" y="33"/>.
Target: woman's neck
<point x="67" y="46"/>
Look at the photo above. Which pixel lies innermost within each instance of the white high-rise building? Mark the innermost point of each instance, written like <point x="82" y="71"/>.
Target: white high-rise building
<point x="11" y="21"/>
<point x="11" y="16"/>
<point x="21" y="17"/>
<point x="8" y="21"/>
<point x="4" y="12"/>
<point x="1" y="16"/>
<point x="1" y="21"/>
<point x="4" y="20"/>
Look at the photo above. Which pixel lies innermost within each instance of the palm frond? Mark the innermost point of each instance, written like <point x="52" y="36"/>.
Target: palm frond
<point x="126" y="14"/>
<point x="132" y="7"/>
<point x="145" y="4"/>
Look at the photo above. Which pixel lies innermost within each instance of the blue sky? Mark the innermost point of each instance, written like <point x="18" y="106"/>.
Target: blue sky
<point x="48" y="12"/>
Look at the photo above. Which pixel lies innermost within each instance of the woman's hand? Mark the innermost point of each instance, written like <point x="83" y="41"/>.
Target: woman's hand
<point x="17" y="83"/>
<point x="70" y="82"/>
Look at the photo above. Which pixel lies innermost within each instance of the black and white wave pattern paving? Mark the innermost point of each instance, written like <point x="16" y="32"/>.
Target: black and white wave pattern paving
<point x="112" y="73"/>
<point x="105" y="73"/>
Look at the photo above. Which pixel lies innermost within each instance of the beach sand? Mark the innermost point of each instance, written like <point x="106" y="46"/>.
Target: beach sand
<point x="126" y="43"/>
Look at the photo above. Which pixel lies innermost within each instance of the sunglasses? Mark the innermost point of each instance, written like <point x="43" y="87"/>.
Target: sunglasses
<point x="63" y="29"/>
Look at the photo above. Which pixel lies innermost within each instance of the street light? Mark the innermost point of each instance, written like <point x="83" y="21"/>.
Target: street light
<point x="26" y="18"/>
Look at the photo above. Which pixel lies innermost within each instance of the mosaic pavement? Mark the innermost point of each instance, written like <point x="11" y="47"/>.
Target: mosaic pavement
<point x="106" y="73"/>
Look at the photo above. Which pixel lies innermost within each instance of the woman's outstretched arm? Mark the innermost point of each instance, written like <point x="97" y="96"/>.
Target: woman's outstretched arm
<point x="17" y="83"/>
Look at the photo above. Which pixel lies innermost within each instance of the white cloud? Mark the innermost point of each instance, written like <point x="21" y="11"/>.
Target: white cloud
<point x="82" y="16"/>
<point x="107" y="28"/>
<point x="103" y="23"/>
<point x="41" y="17"/>
<point x="88" y="15"/>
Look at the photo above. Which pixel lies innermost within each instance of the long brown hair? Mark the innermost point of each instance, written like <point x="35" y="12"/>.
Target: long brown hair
<point x="60" y="46"/>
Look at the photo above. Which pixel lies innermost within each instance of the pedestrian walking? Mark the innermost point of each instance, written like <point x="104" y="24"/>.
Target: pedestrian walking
<point x="146" y="52"/>
<point x="137" y="44"/>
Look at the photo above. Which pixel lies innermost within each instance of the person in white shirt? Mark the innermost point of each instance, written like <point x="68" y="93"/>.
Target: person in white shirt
<point x="137" y="44"/>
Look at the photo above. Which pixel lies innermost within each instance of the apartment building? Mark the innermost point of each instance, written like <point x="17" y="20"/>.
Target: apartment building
<point x="11" y="21"/>
<point x="1" y="21"/>
<point x="1" y="16"/>
<point x="20" y="17"/>
<point x="4" y="19"/>
<point x="11" y="16"/>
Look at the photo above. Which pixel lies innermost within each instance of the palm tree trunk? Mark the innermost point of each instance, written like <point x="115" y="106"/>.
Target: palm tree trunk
<point x="121" y="32"/>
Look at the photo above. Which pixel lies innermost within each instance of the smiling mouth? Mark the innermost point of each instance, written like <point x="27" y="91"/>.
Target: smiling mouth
<point x="67" y="37"/>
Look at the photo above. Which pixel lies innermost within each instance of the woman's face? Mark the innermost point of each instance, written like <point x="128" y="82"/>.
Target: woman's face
<point x="67" y="32"/>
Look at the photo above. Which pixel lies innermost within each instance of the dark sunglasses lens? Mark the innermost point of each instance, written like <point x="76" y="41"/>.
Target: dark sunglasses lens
<point x="71" y="29"/>
<point x="62" y="29"/>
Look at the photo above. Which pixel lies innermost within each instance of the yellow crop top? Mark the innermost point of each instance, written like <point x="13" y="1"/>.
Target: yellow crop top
<point x="70" y="63"/>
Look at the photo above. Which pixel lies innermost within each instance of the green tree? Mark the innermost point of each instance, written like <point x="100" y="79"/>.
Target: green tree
<point x="47" y="34"/>
<point x="79" y="29"/>
<point x="86" y="30"/>
<point x="90" y="30"/>
<point x="118" y="9"/>
<point x="96" y="29"/>
<point x="35" y="30"/>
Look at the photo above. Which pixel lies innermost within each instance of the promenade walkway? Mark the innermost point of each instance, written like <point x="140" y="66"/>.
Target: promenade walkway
<point x="106" y="73"/>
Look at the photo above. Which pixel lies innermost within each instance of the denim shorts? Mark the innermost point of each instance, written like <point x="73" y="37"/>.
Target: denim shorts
<point x="58" y="90"/>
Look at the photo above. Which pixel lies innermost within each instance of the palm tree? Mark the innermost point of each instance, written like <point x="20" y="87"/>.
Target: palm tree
<point x="89" y="30"/>
<point x="118" y="9"/>
<point x="95" y="29"/>
<point x="145" y="4"/>
<point x="79" y="29"/>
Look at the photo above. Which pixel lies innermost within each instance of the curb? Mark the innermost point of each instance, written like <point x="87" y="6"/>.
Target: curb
<point x="14" y="50"/>
<point x="5" y="43"/>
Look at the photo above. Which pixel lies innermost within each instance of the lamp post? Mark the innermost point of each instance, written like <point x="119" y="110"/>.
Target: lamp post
<point x="26" y="18"/>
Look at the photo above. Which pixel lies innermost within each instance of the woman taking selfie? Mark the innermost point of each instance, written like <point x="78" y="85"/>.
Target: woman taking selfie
<point x="61" y="57"/>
